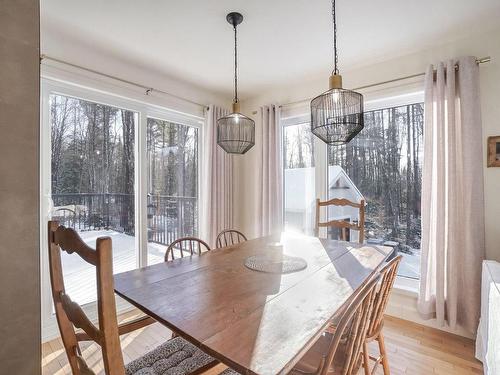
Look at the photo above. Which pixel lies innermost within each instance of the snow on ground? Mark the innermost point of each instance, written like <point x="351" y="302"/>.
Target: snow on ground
<point x="410" y="265"/>
<point x="79" y="276"/>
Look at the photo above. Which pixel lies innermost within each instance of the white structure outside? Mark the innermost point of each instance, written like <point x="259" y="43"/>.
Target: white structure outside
<point x="300" y="198"/>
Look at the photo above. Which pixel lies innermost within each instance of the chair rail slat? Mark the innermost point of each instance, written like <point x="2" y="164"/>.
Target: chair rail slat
<point x="340" y="202"/>
<point x="69" y="241"/>
<point x="76" y="315"/>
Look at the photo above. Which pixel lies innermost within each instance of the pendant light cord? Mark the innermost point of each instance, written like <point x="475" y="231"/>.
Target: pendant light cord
<point x="235" y="66"/>
<point x="335" y="56"/>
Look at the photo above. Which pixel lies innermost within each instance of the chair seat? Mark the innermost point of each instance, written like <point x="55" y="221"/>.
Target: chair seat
<point x="310" y="362"/>
<point x="175" y="357"/>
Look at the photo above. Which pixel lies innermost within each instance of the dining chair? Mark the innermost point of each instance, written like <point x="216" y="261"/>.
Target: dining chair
<point x="388" y="274"/>
<point x="339" y="353"/>
<point x="190" y="245"/>
<point x="177" y="355"/>
<point x="229" y="237"/>
<point x="342" y="224"/>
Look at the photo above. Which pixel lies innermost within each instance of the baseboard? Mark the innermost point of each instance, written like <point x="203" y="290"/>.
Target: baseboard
<point x="403" y="305"/>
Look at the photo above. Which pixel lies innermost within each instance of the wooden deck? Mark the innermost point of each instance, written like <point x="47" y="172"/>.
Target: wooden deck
<point x="412" y="349"/>
<point x="79" y="276"/>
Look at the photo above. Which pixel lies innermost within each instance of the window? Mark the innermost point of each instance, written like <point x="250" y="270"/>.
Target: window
<point x="172" y="203"/>
<point x="299" y="178"/>
<point x="114" y="165"/>
<point x="92" y="183"/>
<point x="383" y="165"/>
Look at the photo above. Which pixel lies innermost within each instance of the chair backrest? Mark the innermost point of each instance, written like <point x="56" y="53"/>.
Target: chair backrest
<point x="352" y="330"/>
<point x="388" y="274"/>
<point x="229" y="237"/>
<point x="342" y="224"/>
<point x="189" y="245"/>
<point x="70" y="315"/>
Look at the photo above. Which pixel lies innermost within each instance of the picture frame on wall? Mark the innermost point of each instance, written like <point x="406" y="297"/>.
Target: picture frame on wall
<point x="494" y="151"/>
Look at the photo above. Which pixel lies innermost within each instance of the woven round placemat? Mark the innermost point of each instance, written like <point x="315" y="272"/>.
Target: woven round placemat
<point x="275" y="263"/>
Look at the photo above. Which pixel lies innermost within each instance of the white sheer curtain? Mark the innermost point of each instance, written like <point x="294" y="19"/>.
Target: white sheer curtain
<point x="452" y="196"/>
<point x="270" y="171"/>
<point x="216" y="211"/>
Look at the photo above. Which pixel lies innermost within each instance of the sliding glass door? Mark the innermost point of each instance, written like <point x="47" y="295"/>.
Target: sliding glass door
<point x="118" y="168"/>
<point x="92" y="183"/>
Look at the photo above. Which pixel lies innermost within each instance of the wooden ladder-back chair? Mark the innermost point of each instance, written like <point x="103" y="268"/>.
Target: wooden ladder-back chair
<point x="71" y="316"/>
<point x="341" y="224"/>
<point x="388" y="274"/>
<point x="340" y="353"/>
<point x="229" y="237"/>
<point x="190" y="245"/>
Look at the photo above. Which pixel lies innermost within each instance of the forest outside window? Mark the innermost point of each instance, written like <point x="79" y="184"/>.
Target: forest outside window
<point x="383" y="165"/>
<point x="172" y="202"/>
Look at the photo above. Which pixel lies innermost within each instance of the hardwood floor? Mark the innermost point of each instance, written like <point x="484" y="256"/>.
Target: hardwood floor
<point x="416" y="349"/>
<point x="412" y="349"/>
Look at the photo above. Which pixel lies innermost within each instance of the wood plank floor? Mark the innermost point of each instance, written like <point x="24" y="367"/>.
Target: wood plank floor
<point x="412" y="349"/>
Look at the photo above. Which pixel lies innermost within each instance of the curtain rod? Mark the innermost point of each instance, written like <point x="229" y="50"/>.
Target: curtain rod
<point x="148" y="90"/>
<point x="482" y="60"/>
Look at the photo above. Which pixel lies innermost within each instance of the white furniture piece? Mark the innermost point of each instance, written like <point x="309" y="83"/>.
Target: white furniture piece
<point x="488" y="333"/>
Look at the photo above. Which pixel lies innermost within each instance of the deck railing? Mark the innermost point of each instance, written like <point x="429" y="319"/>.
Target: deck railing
<point x="168" y="217"/>
<point x="171" y="217"/>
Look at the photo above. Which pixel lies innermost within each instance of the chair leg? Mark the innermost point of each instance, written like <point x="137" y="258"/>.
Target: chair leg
<point x="366" y="359"/>
<point x="383" y="353"/>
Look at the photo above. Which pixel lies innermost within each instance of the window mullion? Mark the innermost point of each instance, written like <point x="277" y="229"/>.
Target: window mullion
<point x="141" y="189"/>
<point x="321" y="178"/>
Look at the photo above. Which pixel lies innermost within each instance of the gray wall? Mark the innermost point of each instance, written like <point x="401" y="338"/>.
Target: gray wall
<point x="19" y="188"/>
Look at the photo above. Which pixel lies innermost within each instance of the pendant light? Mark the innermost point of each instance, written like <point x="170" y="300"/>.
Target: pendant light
<point x="235" y="132"/>
<point x="337" y="114"/>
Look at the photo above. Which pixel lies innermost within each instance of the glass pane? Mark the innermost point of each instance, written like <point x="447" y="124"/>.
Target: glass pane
<point x="299" y="178"/>
<point x="383" y="165"/>
<point x="92" y="184"/>
<point x="172" y="185"/>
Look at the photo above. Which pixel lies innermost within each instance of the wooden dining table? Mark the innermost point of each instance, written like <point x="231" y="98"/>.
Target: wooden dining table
<point x="255" y="322"/>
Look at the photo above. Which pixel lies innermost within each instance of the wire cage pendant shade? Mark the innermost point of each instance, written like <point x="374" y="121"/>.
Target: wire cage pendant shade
<point x="337" y="114"/>
<point x="235" y="132"/>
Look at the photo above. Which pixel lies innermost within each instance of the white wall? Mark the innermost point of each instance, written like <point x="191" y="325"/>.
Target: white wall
<point x="486" y="44"/>
<point x="403" y="303"/>
<point x="65" y="47"/>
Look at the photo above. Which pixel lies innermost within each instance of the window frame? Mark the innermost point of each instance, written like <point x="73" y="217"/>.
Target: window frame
<point x="395" y="97"/>
<point x="297" y="117"/>
<point x="379" y="98"/>
<point x="74" y="85"/>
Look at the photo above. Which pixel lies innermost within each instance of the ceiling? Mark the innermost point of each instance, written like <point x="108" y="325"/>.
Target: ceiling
<point x="279" y="41"/>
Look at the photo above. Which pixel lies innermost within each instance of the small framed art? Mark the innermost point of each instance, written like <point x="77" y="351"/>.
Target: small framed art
<point x="494" y="151"/>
